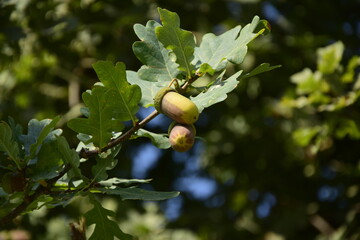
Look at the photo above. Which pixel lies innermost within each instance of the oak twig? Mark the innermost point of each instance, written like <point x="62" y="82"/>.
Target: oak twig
<point x="31" y="197"/>
<point x="89" y="153"/>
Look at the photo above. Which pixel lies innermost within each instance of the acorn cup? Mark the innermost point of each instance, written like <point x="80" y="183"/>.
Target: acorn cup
<point x="181" y="136"/>
<point x="176" y="106"/>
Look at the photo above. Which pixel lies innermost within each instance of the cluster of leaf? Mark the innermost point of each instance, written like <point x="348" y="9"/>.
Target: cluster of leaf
<point x="324" y="101"/>
<point x="40" y="169"/>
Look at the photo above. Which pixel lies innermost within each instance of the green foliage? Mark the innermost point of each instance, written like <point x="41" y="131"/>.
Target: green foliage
<point x="329" y="58"/>
<point x="159" y="140"/>
<point x="267" y="186"/>
<point x="69" y="156"/>
<point x="8" y="145"/>
<point x="148" y="88"/>
<point x="109" y="105"/>
<point x="180" y="55"/>
<point x="217" y="92"/>
<point x="129" y="95"/>
<point x="180" y="42"/>
<point x="101" y="122"/>
<point x="50" y="170"/>
<point x="331" y="88"/>
<point x="231" y="46"/>
<point x="138" y="194"/>
<point x="104" y="227"/>
<point x="38" y="132"/>
<point x="155" y="57"/>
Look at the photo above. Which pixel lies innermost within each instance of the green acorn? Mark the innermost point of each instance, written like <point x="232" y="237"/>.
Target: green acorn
<point x="176" y="106"/>
<point x="182" y="136"/>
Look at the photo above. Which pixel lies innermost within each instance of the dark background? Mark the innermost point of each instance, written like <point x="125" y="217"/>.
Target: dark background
<point x="247" y="179"/>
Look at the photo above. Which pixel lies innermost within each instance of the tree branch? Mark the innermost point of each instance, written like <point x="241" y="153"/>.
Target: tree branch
<point x="89" y="153"/>
<point x="30" y="198"/>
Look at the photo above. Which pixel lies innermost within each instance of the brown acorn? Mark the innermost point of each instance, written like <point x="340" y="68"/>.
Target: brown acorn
<point x="182" y="136"/>
<point x="176" y="106"/>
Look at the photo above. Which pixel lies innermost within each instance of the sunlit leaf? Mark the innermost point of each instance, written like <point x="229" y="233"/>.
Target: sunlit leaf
<point x="123" y="182"/>
<point x="329" y="57"/>
<point x="126" y="96"/>
<point x="217" y="92"/>
<point x="230" y="46"/>
<point x="349" y="75"/>
<point x="180" y="42"/>
<point x="303" y="136"/>
<point x="102" y="102"/>
<point x="308" y="82"/>
<point x="158" y="64"/>
<point x="148" y="89"/>
<point x="348" y="127"/>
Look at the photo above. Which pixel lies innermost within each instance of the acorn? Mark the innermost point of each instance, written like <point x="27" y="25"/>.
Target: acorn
<point x="176" y="106"/>
<point x="182" y="136"/>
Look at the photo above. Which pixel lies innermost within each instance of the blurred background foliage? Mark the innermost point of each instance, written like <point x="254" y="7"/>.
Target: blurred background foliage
<point x="280" y="157"/>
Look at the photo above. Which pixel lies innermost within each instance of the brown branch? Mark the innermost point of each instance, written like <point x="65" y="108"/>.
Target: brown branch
<point x="89" y="153"/>
<point x="31" y="197"/>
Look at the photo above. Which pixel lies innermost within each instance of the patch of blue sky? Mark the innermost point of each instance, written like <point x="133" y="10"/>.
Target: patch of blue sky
<point x="160" y="121"/>
<point x="327" y="193"/>
<point x="191" y="159"/>
<point x="197" y="187"/>
<point x="173" y="207"/>
<point x="270" y="12"/>
<point x="144" y="159"/>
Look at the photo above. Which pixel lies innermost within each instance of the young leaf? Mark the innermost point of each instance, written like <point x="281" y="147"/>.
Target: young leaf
<point x="127" y="96"/>
<point x="105" y="228"/>
<point x="181" y="42"/>
<point x="138" y="194"/>
<point x="159" y="67"/>
<point x="102" y="102"/>
<point x="159" y="140"/>
<point x="217" y="92"/>
<point x="7" y="144"/>
<point x="230" y="46"/>
<point x="148" y="89"/>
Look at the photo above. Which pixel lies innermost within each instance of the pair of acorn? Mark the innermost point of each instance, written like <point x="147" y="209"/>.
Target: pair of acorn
<point x="184" y="113"/>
